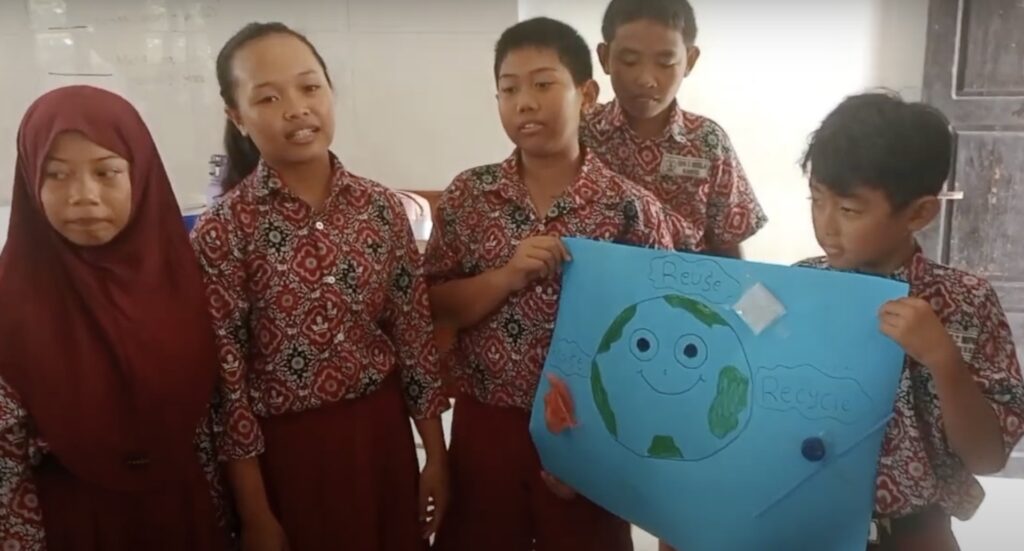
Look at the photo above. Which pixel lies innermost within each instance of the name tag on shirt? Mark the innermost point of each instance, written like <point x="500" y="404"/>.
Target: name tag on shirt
<point x="966" y="340"/>
<point x="691" y="167"/>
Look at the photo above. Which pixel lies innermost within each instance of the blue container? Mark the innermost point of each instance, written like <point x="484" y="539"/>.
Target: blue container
<point x="190" y="221"/>
<point x="190" y="215"/>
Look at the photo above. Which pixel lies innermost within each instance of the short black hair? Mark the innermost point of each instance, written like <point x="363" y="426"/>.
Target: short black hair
<point x="675" y="14"/>
<point x="877" y="140"/>
<point x="546" y="33"/>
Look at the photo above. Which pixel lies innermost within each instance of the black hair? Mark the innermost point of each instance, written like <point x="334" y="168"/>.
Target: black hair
<point x="546" y="33"/>
<point x="674" y="14"/>
<point x="879" y="141"/>
<point x="241" y="151"/>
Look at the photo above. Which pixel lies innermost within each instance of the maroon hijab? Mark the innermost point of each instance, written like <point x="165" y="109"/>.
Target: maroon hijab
<point x="109" y="348"/>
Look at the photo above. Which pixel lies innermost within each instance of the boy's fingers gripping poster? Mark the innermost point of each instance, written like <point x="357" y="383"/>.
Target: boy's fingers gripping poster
<point x="719" y="404"/>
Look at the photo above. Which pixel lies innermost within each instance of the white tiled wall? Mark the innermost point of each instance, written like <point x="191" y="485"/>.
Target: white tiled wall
<point x="422" y="93"/>
<point x="415" y="91"/>
<point x="423" y="120"/>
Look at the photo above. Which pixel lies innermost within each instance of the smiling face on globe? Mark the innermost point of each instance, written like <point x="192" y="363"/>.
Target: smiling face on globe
<point x="678" y="355"/>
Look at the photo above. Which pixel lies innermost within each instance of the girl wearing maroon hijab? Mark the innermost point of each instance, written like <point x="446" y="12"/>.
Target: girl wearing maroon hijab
<point x="108" y="363"/>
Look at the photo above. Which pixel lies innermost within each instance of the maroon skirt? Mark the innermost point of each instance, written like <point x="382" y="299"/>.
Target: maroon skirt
<point x="345" y="475"/>
<point x="500" y="501"/>
<point x="80" y="517"/>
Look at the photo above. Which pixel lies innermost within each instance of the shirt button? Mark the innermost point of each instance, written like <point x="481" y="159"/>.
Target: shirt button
<point x="539" y="289"/>
<point x="320" y="226"/>
<point x="330" y="280"/>
<point x="813" y="449"/>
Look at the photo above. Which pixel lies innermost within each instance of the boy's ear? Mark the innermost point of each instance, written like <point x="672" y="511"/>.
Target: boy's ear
<point x="591" y="91"/>
<point x="922" y="212"/>
<point x="604" y="53"/>
<point x="692" y="55"/>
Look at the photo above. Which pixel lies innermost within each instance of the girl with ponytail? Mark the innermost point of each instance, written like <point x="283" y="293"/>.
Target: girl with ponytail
<point x="321" y="316"/>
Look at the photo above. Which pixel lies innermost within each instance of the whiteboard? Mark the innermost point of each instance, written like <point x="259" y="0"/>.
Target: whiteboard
<point x="410" y="75"/>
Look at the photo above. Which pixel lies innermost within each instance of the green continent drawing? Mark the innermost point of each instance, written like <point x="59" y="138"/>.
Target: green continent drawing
<point x="664" y="447"/>
<point x="601" y="399"/>
<point x="614" y="332"/>
<point x="671" y="380"/>
<point x="730" y="402"/>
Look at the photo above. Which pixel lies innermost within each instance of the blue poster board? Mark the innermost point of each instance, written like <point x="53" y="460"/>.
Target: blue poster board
<point x="719" y="404"/>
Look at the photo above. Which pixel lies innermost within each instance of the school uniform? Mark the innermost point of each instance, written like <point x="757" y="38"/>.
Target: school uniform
<point x="499" y="501"/>
<point x="326" y="347"/>
<point x="921" y="481"/>
<point x="45" y="505"/>
<point x="107" y="360"/>
<point x="692" y="168"/>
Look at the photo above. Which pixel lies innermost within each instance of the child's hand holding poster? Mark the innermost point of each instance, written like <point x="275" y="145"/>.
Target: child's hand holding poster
<point x="719" y="404"/>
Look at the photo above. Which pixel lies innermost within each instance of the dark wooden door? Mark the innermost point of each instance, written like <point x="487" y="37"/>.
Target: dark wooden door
<point x="974" y="73"/>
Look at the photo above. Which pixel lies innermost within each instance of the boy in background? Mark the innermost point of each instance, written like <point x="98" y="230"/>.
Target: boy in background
<point x="684" y="159"/>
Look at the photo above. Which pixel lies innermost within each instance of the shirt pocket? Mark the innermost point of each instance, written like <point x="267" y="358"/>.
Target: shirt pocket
<point x="490" y="242"/>
<point x="362" y="268"/>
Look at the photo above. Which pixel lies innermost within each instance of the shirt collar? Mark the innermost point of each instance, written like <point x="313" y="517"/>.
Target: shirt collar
<point x="508" y="183"/>
<point x="615" y="118"/>
<point x="266" y="181"/>
<point x="914" y="270"/>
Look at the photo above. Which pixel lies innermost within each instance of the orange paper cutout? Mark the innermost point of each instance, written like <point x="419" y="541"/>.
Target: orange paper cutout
<point x="558" y="406"/>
